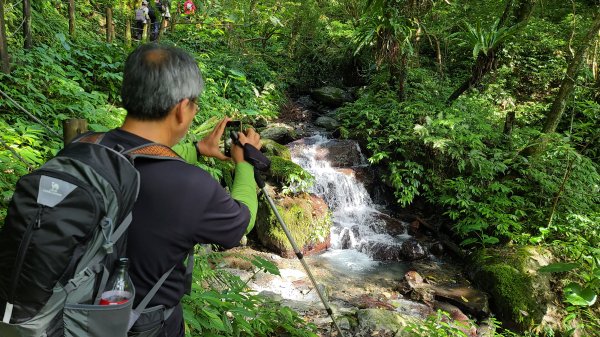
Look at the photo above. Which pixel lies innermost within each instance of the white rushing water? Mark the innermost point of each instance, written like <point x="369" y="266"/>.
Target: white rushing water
<point x="358" y="223"/>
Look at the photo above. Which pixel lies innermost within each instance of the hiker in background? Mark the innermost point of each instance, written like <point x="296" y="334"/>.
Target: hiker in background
<point x="141" y="18"/>
<point x="188" y="7"/>
<point x="165" y="9"/>
<point x="152" y="11"/>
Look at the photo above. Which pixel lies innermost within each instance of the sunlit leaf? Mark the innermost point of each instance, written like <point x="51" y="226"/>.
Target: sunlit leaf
<point x="577" y="295"/>
<point x="558" y="267"/>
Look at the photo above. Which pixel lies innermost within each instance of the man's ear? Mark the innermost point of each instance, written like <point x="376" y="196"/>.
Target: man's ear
<point x="180" y="110"/>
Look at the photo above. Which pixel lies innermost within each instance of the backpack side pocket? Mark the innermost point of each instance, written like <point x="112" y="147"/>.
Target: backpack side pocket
<point x="88" y="320"/>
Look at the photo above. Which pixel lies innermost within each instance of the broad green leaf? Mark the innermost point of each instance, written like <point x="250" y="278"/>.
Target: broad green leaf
<point x="577" y="295"/>
<point x="468" y="241"/>
<point x="558" y="267"/>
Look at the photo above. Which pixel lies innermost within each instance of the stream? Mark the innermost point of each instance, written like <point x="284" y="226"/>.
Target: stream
<point x="370" y="251"/>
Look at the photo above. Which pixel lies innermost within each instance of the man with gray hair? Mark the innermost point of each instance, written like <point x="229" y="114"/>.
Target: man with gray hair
<point x="179" y="205"/>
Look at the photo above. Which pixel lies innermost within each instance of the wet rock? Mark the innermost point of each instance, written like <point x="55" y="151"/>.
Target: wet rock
<point x="327" y="123"/>
<point x="413" y="250"/>
<point x="469" y="299"/>
<point x="356" y="232"/>
<point x="437" y="249"/>
<point x="279" y="132"/>
<point x="381" y="251"/>
<point x="345" y="241"/>
<point x="392" y="226"/>
<point x="331" y="96"/>
<point x="366" y="301"/>
<point x="340" y="153"/>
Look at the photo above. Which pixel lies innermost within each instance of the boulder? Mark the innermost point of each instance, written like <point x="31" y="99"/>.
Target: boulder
<point x="327" y="123"/>
<point x="279" y="132"/>
<point x="380" y="251"/>
<point x="306" y="216"/>
<point x="345" y="240"/>
<point x="381" y="322"/>
<point x="340" y="153"/>
<point x="412" y="250"/>
<point x="307" y="102"/>
<point x="469" y="299"/>
<point x="521" y="296"/>
<point x="272" y="148"/>
<point x="331" y="96"/>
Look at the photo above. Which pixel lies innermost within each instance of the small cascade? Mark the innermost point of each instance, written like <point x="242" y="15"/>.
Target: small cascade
<point x="360" y="235"/>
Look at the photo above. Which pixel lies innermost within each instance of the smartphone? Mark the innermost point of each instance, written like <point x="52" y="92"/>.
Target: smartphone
<point x="227" y="142"/>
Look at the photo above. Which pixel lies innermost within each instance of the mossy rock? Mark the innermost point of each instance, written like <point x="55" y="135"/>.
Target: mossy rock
<point x="520" y="296"/>
<point x="283" y="169"/>
<point x="307" y="217"/>
<point x="279" y="132"/>
<point x="331" y="96"/>
<point x="384" y="322"/>
<point x="272" y="148"/>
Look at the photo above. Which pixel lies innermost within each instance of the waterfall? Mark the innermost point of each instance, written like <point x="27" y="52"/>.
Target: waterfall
<point x="359" y="232"/>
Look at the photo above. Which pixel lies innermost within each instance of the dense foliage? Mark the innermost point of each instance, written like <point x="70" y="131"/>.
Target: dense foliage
<point x="476" y="150"/>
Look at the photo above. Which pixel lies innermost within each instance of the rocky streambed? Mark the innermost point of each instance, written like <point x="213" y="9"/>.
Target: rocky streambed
<point x="380" y="270"/>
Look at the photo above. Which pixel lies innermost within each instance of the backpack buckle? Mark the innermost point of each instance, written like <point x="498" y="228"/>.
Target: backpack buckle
<point x="107" y="230"/>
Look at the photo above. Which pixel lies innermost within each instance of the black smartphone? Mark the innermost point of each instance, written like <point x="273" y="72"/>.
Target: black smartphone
<point x="227" y="143"/>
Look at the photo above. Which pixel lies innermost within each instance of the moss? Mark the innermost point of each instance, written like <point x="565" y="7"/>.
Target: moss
<point x="503" y="274"/>
<point x="272" y="148"/>
<point x="283" y="172"/>
<point x="297" y="215"/>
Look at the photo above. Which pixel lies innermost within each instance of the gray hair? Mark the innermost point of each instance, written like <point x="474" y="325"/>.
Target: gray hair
<point x="156" y="78"/>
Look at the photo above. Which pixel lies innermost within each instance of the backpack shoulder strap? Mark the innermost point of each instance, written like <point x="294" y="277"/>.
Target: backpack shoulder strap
<point x="89" y="137"/>
<point x="153" y="151"/>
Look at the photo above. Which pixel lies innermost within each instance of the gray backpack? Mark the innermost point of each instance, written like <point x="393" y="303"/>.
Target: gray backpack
<point x="139" y="14"/>
<point x="65" y="228"/>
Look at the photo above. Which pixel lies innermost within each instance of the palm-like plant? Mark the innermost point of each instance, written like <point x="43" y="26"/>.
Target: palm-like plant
<point x="485" y="41"/>
<point x="388" y="27"/>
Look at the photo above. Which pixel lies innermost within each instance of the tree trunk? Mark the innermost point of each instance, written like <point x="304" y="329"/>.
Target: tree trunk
<point x="109" y="25"/>
<point x="27" y="44"/>
<point x="483" y="65"/>
<point x="509" y="122"/>
<point x="597" y="72"/>
<point x="72" y="128"/>
<point x="568" y="82"/>
<point x="3" y="44"/>
<point x="402" y="77"/>
<point x="72" y="18"/>
<point x="128" y="31"/>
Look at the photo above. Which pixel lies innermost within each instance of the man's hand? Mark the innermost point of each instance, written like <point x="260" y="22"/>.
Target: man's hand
<point x="209" y="145"/>
<point x="249" y="136"/>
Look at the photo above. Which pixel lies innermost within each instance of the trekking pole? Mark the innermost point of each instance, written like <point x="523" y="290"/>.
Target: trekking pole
<point x="261" y="163"/>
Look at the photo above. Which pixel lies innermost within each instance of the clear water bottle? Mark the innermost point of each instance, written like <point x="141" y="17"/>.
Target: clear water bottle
<point x="119" y="288"/>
